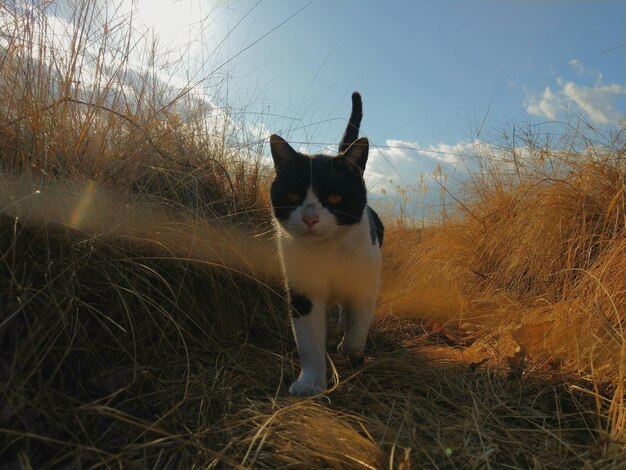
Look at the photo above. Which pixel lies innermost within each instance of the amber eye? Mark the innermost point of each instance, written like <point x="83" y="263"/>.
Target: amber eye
<point x="334" y="198"/>
<point x="293" y="197"/>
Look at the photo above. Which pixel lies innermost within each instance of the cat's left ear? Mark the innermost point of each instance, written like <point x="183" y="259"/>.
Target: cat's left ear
<point x="281" y="150"/>
<point x="357" y="153"/>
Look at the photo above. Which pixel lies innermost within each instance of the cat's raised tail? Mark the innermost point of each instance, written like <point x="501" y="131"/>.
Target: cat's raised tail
<point x="352" y="129"/>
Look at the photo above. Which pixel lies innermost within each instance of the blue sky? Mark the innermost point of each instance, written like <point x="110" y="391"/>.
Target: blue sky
<point x="431" y="73"/>
<point x="437" y="77"/>
<point x="448" y="62"/>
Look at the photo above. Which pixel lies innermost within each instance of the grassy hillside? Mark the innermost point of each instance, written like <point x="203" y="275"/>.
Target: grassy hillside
<point x="142" y="322"/>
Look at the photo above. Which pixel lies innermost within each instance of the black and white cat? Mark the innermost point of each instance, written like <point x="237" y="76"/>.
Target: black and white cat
<point x="330" y="246"/>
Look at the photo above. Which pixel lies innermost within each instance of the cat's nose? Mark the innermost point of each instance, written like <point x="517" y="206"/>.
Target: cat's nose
<point x="310" y="219"/>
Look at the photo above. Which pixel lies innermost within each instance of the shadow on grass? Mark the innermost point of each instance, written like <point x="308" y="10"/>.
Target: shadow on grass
<point x="112" y="358"/>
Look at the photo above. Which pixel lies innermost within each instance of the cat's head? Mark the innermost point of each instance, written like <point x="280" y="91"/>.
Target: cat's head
<point x="318" y="197"/>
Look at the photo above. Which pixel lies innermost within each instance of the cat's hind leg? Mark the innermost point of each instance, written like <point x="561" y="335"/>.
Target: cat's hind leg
<point x="358" y="320"/>
<point x="309" y="327"/>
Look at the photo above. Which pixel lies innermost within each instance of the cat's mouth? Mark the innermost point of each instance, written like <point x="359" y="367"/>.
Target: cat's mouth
<point x="313" y="233"/>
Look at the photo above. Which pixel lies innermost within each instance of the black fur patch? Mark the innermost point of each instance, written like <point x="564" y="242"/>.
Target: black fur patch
<point x="328" y="176"/>
<point x="300" y="304"/>
<point x="292" y="176"/>
<point x="377" y="229"/>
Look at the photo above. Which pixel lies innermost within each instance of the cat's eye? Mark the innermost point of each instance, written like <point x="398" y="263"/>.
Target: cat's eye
<point x="334" y="198"/>
<point x="294" y="197"/>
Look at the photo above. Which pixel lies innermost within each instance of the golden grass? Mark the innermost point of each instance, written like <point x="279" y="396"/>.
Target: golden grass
<point x="534" y="263"/>
<point x="141" y="316"/>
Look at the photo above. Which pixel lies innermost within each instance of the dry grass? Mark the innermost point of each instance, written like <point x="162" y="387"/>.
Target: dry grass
<point x="532" y="271"/>
<point x="141" y="319"/>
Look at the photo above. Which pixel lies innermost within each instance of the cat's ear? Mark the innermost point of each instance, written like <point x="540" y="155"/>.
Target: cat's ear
<point x="357" y="153"/>
<point x="281" y="150"/>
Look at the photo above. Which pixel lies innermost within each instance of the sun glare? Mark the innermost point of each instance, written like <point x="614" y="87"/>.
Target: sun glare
<point x="168" y="18"/>
<point x="178" y="24"/>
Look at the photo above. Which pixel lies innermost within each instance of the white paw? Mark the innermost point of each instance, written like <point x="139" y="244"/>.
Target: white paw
<point x="303" y="388"/>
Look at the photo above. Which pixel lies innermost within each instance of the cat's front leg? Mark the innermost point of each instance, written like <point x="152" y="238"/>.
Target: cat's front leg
<point x="358" y="320"/>
<point x="309" y="327"/>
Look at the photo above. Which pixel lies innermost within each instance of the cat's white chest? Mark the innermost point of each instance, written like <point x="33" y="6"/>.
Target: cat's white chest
<point x="334" y="272"/>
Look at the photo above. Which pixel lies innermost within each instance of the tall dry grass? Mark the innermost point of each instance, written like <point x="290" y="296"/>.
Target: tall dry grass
<point x="141" y="316"/>
<point x="533" y="263"/>
<point x="127" y="297"/>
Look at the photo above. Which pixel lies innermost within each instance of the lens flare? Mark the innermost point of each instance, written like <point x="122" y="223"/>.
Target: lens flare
<point x="83" y="205"/>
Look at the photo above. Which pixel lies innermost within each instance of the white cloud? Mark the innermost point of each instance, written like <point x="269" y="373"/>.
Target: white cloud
<point x="115" y="51"/>
<point x="578" y="66"/>
<point x="401" y="162"/>
<point x="595" y="102"/>
<point x="543" y="106"/>
<point x="583" y="70"/>
<point x="441" y="152"/>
